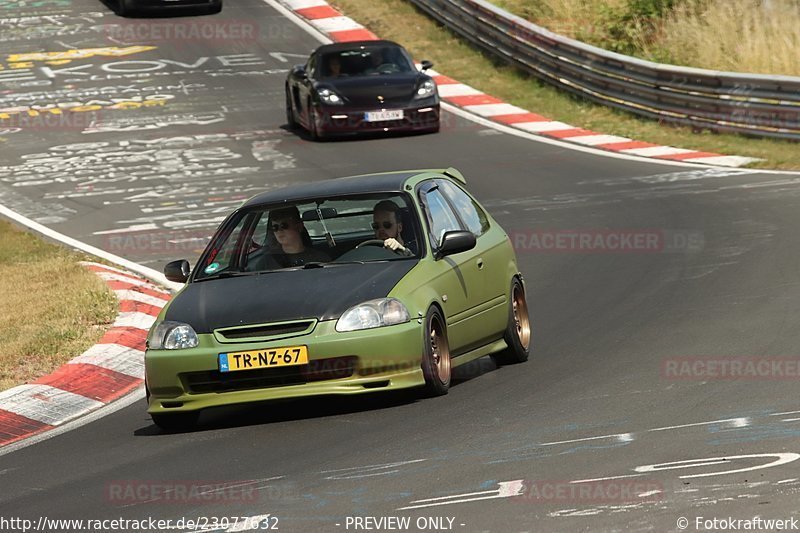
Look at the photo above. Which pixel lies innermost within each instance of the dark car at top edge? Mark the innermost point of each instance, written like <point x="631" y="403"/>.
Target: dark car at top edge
<point x="134" y="7"/>
<point x="342" y="287"/>
<point x="361" y="87"/>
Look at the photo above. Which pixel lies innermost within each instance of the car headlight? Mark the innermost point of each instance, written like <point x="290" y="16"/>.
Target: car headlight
<point x="426" y="89"/>
<point x="170" y="335"/>
<point x="373" y="314"/>
<point x="330" y="97"/>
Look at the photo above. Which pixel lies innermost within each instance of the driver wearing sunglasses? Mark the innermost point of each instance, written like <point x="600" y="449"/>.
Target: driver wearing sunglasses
<point x="387" y="226"/>
<point x="292" y="243"/>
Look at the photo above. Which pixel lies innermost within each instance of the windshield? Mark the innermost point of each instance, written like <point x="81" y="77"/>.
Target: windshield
<point x="365" y="61"/>
<point x="312" y="234"/>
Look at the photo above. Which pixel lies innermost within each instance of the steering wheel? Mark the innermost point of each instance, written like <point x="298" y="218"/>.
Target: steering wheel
<point x="371" y="242"/>
<point x="387" y="68"/>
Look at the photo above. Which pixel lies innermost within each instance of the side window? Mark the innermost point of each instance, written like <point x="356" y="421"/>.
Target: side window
<point x="311" y="66"/>
<point x="440" y="216"/>
<point x="469" y="211"/>
<point x="228" y="255"/>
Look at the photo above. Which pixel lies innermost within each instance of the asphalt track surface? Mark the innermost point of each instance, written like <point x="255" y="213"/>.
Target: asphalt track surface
<point x="600" y="398"/>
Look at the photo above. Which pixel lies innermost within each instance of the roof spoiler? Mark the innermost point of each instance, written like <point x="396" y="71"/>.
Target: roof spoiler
<point x="455" y="174"/>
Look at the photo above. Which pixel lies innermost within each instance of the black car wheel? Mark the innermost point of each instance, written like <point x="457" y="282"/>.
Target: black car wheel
<point x="290" y="120"/>
<point x="216" y="8"/>
<point x="312" y="123"/>
<point x="436" y="358"/>
<point x="175" y="421"/>
<point x="518" y="331"/>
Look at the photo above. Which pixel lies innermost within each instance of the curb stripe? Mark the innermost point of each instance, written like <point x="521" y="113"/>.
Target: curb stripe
<point x="133" y="306"/>
<point x="353" y="35"/>
<point x="14" y="427"/>
<point x="128" y="294"/>
<point x="122" y="286"/>
<point x="474" y="100"/>
<point x="115" y="357"/>
<point x="515" y="118"/>
<point x="90" y="381"/>
<point x="128" y="337"/>
<point x="318" y="12"/>
<point x="46" y="404"/>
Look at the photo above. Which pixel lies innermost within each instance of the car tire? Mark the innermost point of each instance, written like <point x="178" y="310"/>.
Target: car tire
<point x="213" y="10"/>
<point x="175" y="421"/>
<point x="436" y="365"/>
<point x="518" y="331"/>
<point x="312" y="123"/>
<point x="290" y="120"/>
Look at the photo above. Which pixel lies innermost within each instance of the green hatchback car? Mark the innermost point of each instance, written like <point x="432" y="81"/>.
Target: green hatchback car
<point x="347" y="286"/>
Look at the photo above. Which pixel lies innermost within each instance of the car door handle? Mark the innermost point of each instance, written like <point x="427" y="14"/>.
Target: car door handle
<point x="480" y="264"/>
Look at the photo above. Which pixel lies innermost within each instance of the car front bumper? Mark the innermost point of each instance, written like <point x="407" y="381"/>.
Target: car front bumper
<point x="386" y="358"/>
<point x="332" y="120"/>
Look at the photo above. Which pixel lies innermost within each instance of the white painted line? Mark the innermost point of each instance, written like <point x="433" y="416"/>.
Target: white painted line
<point x="46" y="404"/>
<point x="129" y="229"/>
<point x="724" y="160"/>
<point x="128" y="294"/>
<point x="450" y="502"/>
<point x="790" y="480"/>
<point x="605" y="478"/>
<point x="334" y="24"/>
<point x="440" y="498"/>
<point x="304" y="4"/>
<point x="789" y="419"/>
<point x="490" y="110"/>
<point x="456" y="89"/>
<point x="653" y="151"/>
<point x="507" y="489"/>
<point x="134" y="319"/>
<point x="114" y="357"/>
<point x="543" y="126"/>
<point x="781" y="459"/>
<point x="646" y="494"/>
<point x="734" y="422"/>
<point x="594" y="140"/>
<point x="785" y="413"/>
<point x="623" y="437"/>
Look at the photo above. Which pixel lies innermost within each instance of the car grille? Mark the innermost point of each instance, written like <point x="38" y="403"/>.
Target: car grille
<point x="319" y="370"/>
<point x="264" y="332"/>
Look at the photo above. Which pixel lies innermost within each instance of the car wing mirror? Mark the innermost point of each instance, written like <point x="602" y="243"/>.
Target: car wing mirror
<point x="426" y="64"/>
<point x="455" y="242"/>
<point x="178" y="271"/>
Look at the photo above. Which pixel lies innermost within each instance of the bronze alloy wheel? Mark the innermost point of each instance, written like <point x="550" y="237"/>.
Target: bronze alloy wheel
<point x="520" y="311"/>
<point x="518" y="330"/>
<point x="436" y="359"/>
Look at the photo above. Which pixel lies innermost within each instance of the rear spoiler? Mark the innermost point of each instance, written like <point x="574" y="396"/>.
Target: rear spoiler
<point x="455" y="174"/>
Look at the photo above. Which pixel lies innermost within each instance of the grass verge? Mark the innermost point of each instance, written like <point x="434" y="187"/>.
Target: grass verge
<point x="52" y="308"/>
<point x="400" y="21"/>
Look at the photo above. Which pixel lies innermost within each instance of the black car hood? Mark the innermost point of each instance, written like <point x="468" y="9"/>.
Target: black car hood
<point x="322" y="293"/>
<point x="364" y="90"/>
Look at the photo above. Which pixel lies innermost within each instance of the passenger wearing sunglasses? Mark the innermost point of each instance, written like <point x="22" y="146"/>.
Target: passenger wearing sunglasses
<point x="387" y="226"/>
<point x="291" y="243"/>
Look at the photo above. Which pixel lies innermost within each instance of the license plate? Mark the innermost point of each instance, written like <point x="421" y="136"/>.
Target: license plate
<point x="378" y="116"/>
<point x="267" y="358"/>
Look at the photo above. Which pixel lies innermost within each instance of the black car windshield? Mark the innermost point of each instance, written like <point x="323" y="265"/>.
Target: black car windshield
<point x="313" y="233"/>
<point x="365" y="61"/>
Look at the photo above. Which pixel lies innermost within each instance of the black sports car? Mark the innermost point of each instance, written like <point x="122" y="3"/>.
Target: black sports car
<point x="361" y="86"/>
<point x="128" y="7"/>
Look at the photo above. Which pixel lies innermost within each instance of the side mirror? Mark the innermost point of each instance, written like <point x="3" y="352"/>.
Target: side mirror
<point x="299" y="71"/>
<point x="426" y="64"/>
<point x="178" y="271"/>
<point x="455" y="242"/>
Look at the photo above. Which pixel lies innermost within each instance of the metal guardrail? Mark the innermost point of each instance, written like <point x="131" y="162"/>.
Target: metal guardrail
<point x="753" y="104"/>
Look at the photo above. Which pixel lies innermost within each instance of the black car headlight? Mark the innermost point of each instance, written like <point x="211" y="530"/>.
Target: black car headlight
<point x="330" y="97"/>
<point x="170" y="335"/>
<point x="373" y="314"/>
<point x="426" y="89"/>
